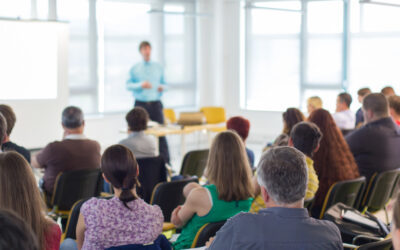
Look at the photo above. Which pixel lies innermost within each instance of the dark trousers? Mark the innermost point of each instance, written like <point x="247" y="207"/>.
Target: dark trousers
<point x="155" y="110"/>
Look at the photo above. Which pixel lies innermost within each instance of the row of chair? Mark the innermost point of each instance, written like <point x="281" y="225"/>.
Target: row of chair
<point x="372" y="198"/>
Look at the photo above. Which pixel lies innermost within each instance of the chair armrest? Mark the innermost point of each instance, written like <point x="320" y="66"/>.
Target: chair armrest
<point x="362" y="239"/>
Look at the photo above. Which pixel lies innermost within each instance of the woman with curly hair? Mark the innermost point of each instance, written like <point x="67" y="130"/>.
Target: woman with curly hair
<point x="333" y="161"/>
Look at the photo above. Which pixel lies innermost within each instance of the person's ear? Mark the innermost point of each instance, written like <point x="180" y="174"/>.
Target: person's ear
<point x="137" y="171"/>
<point x="317" y="148"/>
<point x="105" y="179"/>
<point x="290" y="142"/>
<point x="265" y="195"/>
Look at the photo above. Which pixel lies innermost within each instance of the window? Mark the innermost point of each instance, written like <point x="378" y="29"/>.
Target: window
<point x="15" y="8"/>
<point x="82" y="84"/>
<point x="272" y="54"/>
<point x="105" y="36"/>
<point x="338" y="45"/>
<point x="375" y="51"/>
<point x="126" y="24"/>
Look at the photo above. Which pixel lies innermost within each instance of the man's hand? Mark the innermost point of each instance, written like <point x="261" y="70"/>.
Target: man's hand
<point x="146" y="85"/>
<point x="160" y="89"/>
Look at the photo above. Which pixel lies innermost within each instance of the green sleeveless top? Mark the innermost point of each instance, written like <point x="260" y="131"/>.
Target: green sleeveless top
<point x="220" y="210"/>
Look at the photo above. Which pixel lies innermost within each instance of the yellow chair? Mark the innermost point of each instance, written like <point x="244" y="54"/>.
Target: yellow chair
<point x="169" y="115"/>
<point x="214" y="115"/>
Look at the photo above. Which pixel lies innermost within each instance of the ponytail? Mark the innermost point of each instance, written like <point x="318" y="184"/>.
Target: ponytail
<point x="120" y="167"/>
<point x="127" y="195"/>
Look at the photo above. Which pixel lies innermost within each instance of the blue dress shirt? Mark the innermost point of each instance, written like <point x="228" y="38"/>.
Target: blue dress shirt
<point x="146" y="71"/>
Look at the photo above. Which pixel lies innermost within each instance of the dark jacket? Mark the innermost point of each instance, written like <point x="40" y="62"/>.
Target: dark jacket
<point x="376" y="147"/>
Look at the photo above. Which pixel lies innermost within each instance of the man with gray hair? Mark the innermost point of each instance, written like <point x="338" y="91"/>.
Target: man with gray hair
<point x="74" y="152"/>
<point x="284" y="224"/>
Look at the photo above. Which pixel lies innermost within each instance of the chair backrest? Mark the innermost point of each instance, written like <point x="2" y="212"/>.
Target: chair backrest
<point x="161" y="243"/>
<point x="169" y="115"/>
<point x="194" y="163"/>
<point x="214" y="115"/>
<point x="206" y="232"/>
<point x="380" y="245"/>
<point x="380" y="189"/>
<point x="346" y="192"/>
<point x="72" y="186"/>
<point x="151" y="172"/>
<point x="70" y="230"/>
<point x="169" y="195"/>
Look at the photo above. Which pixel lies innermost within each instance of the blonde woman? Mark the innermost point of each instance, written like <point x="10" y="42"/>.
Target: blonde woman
<point x="313" y="103"/>
<point x="230" y="190"/>
<point x="19" y="193"/>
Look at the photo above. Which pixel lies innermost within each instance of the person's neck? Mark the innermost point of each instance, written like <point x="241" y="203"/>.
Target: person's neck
<point x="343" y="109"/>
<point x="396" y="117"/>
<point x="376" y="118"/>
<point x="299" y="204"/>
<point x="118" y="191"/>
<point x="6" y="139"/>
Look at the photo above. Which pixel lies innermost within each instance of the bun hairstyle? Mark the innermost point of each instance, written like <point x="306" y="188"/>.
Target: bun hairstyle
<point x="120" y="167"/>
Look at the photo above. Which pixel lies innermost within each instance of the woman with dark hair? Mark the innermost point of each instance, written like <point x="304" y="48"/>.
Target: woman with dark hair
<point x="290" y="117"/>
<point x="333" y="161"/>
<point x="125" y="219"/>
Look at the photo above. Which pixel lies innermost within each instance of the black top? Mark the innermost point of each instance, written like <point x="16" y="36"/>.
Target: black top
<point x="10" y="146"/>
<point x="376" y="147"/>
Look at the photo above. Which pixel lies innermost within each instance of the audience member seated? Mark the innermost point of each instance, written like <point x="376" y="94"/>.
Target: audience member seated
<point x="333" y="161"/>
<point x="74" y="152"/>
<point x="138" y="142"/>
<point x="3" y="129"/>
<point x="291" y="117"/>
<point x="306" y="137"/>
<point x="359" y="114"/>
<point x="19" y="193"/>
<point x="396" y="224"/>
<point x="15" y="233"/>
<point x="284" y="224"/>
<point x="9" y="114"/>
<point x="388" y="91"/>
<point x="230" y="190"/>
<point x="394" y="108"/>
<point x="344" y="117"/>
<point x="242" y="126"/>
<point x="123" y="220"/>
<point x="376" y="145"/>
<point x="313" y="103"/>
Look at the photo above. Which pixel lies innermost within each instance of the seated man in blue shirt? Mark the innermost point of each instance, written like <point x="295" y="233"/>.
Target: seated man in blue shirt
<point x="146" y="82"/>
<point x="284" y="224"/>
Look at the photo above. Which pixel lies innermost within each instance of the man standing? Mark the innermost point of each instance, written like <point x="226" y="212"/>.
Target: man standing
<point x="147" y="84"/>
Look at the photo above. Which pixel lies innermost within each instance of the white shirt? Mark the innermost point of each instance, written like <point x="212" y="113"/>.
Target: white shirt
<point x="345" y="119"/>
<point x="141" y="145"/>
<point x="75" y="137"/>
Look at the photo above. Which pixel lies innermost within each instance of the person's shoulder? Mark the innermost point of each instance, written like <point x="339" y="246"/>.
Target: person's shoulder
<point x="91" y="204"/>
<point x="154" y="209"/>
<point x="328" y="227"/>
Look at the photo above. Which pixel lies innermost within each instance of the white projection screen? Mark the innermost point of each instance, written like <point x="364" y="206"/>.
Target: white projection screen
<point x="34" y="77"/>
<point x="28" y="60"/>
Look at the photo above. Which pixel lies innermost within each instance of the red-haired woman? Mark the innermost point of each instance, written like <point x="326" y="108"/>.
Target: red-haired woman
<point x="242" y="126"/>
<point x="333" y="161"/>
